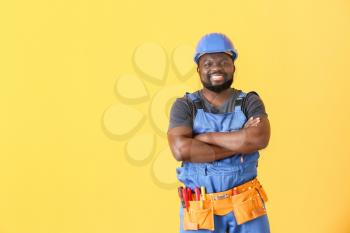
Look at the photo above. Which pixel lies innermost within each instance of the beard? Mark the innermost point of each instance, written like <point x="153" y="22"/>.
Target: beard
<point x="218" y="88"/>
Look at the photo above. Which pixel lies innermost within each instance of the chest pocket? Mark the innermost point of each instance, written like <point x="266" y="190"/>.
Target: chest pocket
<point x="205" y="121"/>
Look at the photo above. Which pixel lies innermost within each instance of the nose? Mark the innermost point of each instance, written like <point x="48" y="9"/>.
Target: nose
<point x="215" y="69"/>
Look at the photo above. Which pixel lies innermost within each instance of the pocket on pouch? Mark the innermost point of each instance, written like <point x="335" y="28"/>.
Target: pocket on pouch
<point x="197" y="217"/>
<point x="222" y="206"/>
<point x="248" y="206"/>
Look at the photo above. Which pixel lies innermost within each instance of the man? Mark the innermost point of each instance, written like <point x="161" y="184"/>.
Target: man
<point x="217" y="132"/>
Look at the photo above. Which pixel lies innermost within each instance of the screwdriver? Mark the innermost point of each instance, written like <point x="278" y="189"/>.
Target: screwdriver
<point x="184" y="195"/>
<point x="189" y="194"/>
<point x="202" y="195"/>
<point x="197" y="194"/>
<point x="203" y="192"/>
<point x="179" y="190"/>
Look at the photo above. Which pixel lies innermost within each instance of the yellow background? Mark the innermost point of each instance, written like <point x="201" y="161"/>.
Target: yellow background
<point x="61" y="173"/>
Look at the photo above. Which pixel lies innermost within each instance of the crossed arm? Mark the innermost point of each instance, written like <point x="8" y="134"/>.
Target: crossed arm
<point x="213" y="146"/>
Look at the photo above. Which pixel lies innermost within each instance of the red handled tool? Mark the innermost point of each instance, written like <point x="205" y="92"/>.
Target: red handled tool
<point x="189" y="194"/>
<point x="197" y="193"/>
<point x="184" y="195"/>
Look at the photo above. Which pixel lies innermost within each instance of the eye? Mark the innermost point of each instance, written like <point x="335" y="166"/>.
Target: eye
<point x="225" y="63"/>
<point x="207" y="64"/>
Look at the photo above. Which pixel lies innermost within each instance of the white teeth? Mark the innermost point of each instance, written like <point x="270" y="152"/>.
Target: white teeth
<point x="217" y="77"/>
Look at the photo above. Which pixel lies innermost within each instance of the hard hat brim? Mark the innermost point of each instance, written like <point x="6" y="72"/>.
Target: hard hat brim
<point x="231" y="53"/>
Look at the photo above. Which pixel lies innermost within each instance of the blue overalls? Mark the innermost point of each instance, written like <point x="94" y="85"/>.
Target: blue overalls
<point x="224" y="174"/>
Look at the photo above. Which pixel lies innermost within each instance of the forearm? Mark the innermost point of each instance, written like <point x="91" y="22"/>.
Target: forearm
<point x="246" y="140"/>
<point x="192" y="150"/>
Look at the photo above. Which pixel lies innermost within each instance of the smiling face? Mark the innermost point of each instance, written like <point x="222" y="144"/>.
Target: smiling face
<point x="216" y="71"/>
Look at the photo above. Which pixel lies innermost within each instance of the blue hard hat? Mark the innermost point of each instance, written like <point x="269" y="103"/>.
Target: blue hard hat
<point x="214" y="43"/>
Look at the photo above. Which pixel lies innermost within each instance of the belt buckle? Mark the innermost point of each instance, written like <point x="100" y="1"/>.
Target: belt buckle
<point x="220" y="197"/>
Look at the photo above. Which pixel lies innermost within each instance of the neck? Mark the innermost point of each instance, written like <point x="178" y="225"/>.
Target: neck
<point x="216" y="98"/>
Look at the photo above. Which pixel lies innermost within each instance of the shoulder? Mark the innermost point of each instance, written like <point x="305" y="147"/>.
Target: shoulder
<point x="245" y="94"/>
<point x="181" y="112"/>
<point x="186" y="100"/>
<point x="251" y="96"/>
<point x="181" y="103"/>
<point x="253" y="105"/>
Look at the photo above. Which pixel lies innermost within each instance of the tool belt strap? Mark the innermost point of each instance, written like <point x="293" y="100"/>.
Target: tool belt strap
<point x="238" y="189"/>
<point x="246" y="201"/>
<point x="222" y="202"/>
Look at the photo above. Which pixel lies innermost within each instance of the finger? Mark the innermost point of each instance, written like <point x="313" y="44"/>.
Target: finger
<point x="250" y="120"/>
<point x="256" y="120"/>
<point x="252" y="123"/>
<point x="246" y="125"/>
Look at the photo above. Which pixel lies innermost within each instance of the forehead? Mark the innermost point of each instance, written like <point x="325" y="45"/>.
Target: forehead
<point x="214" y="56"/>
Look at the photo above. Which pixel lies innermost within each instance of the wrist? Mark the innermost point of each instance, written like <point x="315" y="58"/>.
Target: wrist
<point x="204" y="137"/>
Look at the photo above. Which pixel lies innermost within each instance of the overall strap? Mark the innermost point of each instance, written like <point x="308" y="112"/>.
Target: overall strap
<point x="239" y="101"/>
<point x="195" y="102"/>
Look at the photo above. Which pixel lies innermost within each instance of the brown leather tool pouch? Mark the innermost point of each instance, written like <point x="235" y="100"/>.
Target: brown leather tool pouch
<point x="248" y="205"/>
<point x="199" y="217"/>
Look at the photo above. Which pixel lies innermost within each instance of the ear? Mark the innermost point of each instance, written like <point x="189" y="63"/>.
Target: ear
<point x="198" y="69"/>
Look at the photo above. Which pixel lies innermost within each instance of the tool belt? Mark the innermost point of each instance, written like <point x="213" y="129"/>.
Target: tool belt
<point x="246" y="201"/>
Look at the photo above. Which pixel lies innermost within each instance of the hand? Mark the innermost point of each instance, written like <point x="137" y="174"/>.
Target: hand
<point x="252" y="122"/>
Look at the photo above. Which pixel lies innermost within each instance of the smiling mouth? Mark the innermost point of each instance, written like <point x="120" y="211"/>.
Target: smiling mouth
<point x="217" y="77"/>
